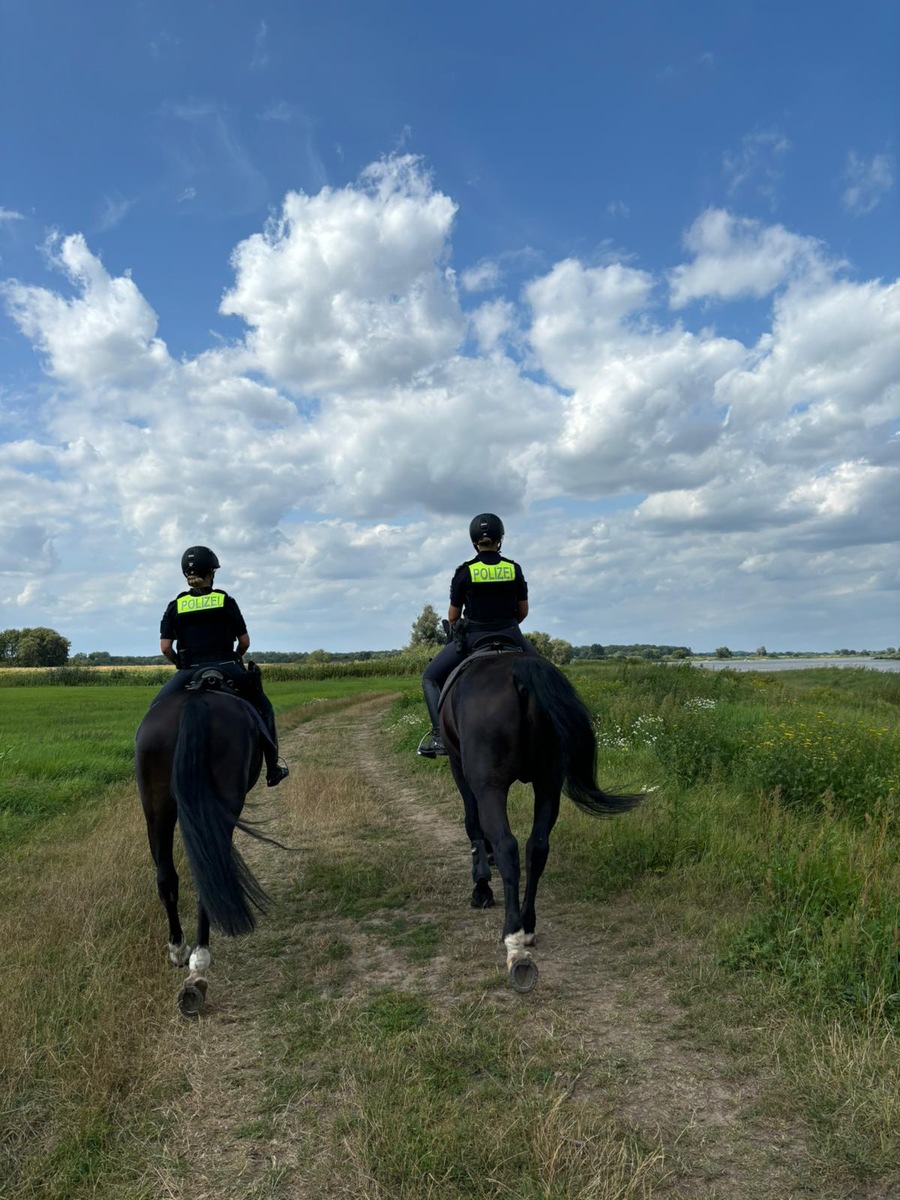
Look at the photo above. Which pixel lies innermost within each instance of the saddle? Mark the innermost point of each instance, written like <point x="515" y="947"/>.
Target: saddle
<point x="211" y="679"/>
<point x="490" y="646"/>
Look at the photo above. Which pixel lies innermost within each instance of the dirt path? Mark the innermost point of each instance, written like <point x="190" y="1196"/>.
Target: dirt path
<point x="708" y="1126"/>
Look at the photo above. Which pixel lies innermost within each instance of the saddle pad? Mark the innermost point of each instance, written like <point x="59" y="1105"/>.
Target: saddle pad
<point x="488" y="652"/>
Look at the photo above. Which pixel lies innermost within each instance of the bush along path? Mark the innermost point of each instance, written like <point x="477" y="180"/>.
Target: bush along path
<point x="364" y="1043"/>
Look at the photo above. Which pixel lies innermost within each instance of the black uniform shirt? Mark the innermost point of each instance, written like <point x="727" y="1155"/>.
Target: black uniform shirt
<point x="489" y="587"/>
<point x="205" y="623"/>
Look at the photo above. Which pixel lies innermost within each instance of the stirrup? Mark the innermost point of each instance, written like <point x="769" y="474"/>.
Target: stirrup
<point x="276" y="775"/>
<point x="431" y="745"/>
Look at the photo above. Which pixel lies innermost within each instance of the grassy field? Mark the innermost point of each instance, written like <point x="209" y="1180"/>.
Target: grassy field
<point x="766" y="861"/>
<point x="62" y="747"/>
<point x="781" y="793"/>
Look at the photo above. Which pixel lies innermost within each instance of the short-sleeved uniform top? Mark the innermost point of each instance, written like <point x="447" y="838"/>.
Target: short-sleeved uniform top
<point x="488" y="588"/>
<point x="205" y="623"/>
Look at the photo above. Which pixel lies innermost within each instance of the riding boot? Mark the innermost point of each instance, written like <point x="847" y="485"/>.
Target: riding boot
<point x="432" y="745"/>
<point x="275" y="771"/>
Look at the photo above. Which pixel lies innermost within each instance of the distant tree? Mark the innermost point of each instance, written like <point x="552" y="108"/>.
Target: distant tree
<point x="762" y="652"/>
<point x="41" y="647"/>
<point x="426" y="629"/>
<point x="723" y="652"/>
<point x="681" y="652"/>
<point x="9" y="641"/>
<point x="319" y="656"/>
<point x="541" y="643"/>
<point x="561" y="651"/>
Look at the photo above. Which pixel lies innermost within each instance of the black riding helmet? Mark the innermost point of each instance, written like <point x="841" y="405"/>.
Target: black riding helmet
<point x="486" y="525"/>
<point x="198" y="560"/>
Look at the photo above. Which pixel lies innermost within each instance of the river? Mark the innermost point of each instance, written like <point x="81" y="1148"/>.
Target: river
<point x="797" y="664"/>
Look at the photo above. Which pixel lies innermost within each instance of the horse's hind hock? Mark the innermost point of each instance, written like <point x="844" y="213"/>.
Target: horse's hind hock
<point x="192" y="997"/>
<point x="200" y="959"/>
<point x="179" y="953"/>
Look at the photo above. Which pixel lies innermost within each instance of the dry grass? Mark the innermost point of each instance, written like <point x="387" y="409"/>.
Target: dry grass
<point x="851" y="1080"/>
<point x="81" y="1007"/>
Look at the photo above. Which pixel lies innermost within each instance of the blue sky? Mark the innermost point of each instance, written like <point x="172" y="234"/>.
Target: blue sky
<point x="313" y="284"/>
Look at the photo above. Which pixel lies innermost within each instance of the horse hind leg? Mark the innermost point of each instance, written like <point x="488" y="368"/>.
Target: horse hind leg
<point x="521" y="969"/>
<point x="482" y="854"/>
<point x="537" y="851"/>
<point x="192" y="997"/>
<point x="161" y="835"/>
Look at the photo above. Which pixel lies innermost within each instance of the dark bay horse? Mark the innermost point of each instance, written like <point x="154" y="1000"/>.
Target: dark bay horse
<point x="508" y="716"/>
<point x="197" y="755"/>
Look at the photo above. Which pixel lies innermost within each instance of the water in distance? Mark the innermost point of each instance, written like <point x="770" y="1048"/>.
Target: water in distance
<point x="796" y="664"/>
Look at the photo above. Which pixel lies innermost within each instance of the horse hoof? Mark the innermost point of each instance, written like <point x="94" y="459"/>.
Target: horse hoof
<point x="192" y="997"/>
<point x="523" y="975"/>
<point x="483" y="899"/>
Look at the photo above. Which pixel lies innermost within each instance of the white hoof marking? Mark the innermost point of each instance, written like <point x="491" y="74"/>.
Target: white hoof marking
<point x="515" y="947"/>
<point x="200" y="959"/>
<point x="179" y="954"/>
<point x="530" y="939"/>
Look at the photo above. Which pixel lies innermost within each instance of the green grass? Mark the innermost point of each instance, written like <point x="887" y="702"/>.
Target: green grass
<point x="407" y="1081"/>
<point x="782" y="793"/>
<point x="62" y="747"/>
<point x="775" y="797"/>
<point x="410" y="662"/>
<point x="772" y="833"/>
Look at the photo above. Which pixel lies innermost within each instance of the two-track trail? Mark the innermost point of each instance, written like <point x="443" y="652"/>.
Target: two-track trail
<point x="363" y="1041"/>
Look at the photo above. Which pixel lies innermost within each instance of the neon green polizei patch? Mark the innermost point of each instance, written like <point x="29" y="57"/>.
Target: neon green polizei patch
<point x="501" y="572"/>
<point x="190" y="604"/>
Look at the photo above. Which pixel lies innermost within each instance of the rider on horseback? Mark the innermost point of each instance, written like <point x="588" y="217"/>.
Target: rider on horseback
<point x="206" y="622"/>
<point x="488" y="598"/>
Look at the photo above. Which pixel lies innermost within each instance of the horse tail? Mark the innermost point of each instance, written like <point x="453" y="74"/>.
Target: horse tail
<point x="567" y="714"/>
<point x="226" y="887"/>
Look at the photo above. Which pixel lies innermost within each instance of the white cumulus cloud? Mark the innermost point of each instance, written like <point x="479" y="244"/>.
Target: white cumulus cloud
<point x="658" y="480"/>
<point x="736" y="256"/>
<point x="351" y="288"/>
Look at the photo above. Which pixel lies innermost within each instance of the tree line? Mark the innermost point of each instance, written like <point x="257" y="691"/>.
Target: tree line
<point x="37" y="647"/>
<point x="427" y="630"/>
<point x="43" y="647"/>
